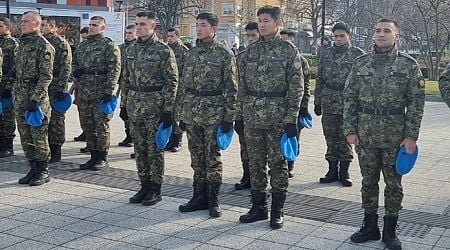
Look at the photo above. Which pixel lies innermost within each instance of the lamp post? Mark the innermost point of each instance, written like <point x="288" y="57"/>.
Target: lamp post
<point x="39" y="9"/>
<point x="119" y="2"/>
<point x="8" y="9"/>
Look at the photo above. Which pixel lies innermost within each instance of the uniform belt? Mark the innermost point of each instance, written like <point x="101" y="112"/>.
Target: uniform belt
<point x="204" y="92"/>
<point x="382" y="111"/>
<point x="95" y="72"/>
<point x="267" y="94"/>
<point x="145" y="89"/>
<point x="334" y="88"/>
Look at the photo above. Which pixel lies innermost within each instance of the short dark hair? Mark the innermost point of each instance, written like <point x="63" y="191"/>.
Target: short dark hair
<point x="177" y="31"/>
<point x="273" y="11"/>
<point x="131" y="26"/>
<point x="287" y="32"/>
<point x="388" y="20"/>
<point x="84" y="30"/>
<point x="251" y="26"/>
<point x="210" y="17"/>
<point x="148" y="14"/>
<point x="99" y="18"/>
<point x="341" y="26"/>
<point x="49" y="19"/>
<point x="6" y="22"/>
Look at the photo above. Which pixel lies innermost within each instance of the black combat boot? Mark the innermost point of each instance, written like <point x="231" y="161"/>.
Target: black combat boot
<point x="176" y="146"/>
<point x="91" y="162"/>
<point x="390" y="233"/>
<point x="102" y="161"/>
<point x="291" y="169"/>
<point x="244" y="183"/>
<point x="153" y="195"/>
<point x="81" y="137"/>
<point x="368" y="231"/>
<point x="84" y="150"/>
<point x="41" y="177"/>
<point x="139" y="196"/>
<point x="276" y="210"/>
<point x="127" y="142"/>
<point x="133" y="155"/>
<point x="55" y="153"/>
<point x="27" y="178"/>
<point x="344" y="176"/>
<point x="199" y="200"/>
<point x="213" y="199"/>
<point x="7" y="148"/>
<point x="259" y="209"/>
<point x="332" y="174"/>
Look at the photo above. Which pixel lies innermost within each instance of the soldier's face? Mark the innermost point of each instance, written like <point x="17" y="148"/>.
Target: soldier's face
<point x="267" y="25"/>
<point x="172" y="37"/>
<point x="386" y="34"/>
<point x="144" y="26"/>
<point x="130" y="34"/>
<point x="4" y="29"/>
<point x="96" y="27"/>
<point x="204" y="29"/>
<point x="341" y="37"/>
<point x="46" y="27"/>
<point x="29" y="23"/>
<point x="252" y="36"/>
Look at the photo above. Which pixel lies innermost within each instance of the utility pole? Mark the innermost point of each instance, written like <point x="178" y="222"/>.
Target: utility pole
<point x="8" y="9"/>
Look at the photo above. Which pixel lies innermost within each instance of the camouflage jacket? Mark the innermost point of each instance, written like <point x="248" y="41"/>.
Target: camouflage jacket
<point x="62" y="66"/>
<point x="122" y="49"/>
<point x="99" y="59"/>
<point x="384" y="99"/>
<point x="444" y="86"/>
<point x="271" y="83"/>
<point x="150" y="76"/>
<point x="34" y="65"/>
<point x="208" y="90"/>
<point x="7" y="45"/>
<point x="306" y="77"/>
<point x="180" y="54"/>
<point x="335" y="65"/>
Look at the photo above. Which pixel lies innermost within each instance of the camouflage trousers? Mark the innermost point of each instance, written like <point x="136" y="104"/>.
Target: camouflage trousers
<point x="95" y="124"/>
<point x="337" y="147"/>
<point x="205" y="153"/>
<point x="264" y="149"/>
<point x="7" y="124"/>
<point x="243" y="147"/>
<point x="372" y="162"/>
<point x="57" y="128"/>
<point x="34" y="140"/>
<point x="149" y="159"/>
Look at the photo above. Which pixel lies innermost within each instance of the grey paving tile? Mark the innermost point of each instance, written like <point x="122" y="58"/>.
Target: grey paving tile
<point x="137" y="223"/>
<point x="265" y="245"/>
<point x="189" y="219"/>
<point x="429" y="239"/>
<point x="31" y="244"/>
<point x="108" y="218"/>
<point x="81" y="212"/>
<point x="87" y="242"/>
<point x="130" y="209"/>
<point x="437" y="231"/>
<point x="113" y="232"/>
<point x="211" y="247"/>
<point x="29" y="230"/>
<point x="166" y="228"/>
<point x="7" y="210"/>
<point x="145" y="239"/>
<point x="231" y="241"/>
<point x="230" y="215"/>
<point x="84" y="227"/>
<point x="7" y="224"/>
<point x="7" y="240"/>
<point x="248" y="230"/>
<point x="299" y="228"/>
<point x="373" y="244"/>
<point x="168" y="205"/>
<point x="443" y="242"/>
<point x="103" y="205"/>
<point x="56" y="208"/>
<point x="331" y="233"/>
<point x="122" y="246"/>
<point x="57" y="221"/>
<point x="350" y="246"/>
<point x="282" y="237"/>
<point x="58" y="237"/>
<point x="318" y="243"/>
<point x="30" y="216"/>
<point x="77" y="200"/>
<point x="177" y="243"/>
<point x="197" y="234"/>
<point x="217" y="225"/>
<point x="157" y="214"/>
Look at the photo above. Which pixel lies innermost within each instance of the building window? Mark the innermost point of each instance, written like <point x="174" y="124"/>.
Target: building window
<point x="227" y="9"/>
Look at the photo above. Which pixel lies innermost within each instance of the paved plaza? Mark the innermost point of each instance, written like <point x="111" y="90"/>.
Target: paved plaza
<point x="90" y="210"/>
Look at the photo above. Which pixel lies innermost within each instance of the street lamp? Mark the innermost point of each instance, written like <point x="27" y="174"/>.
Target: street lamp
<point x="119" y="2"/>
<point x="39" y="9"/>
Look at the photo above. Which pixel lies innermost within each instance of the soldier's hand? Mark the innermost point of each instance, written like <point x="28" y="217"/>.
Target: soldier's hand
<point x="123" y="114"/>
<point x="409" y="144"/>
<point x="107" y="97"/>
<point x="59" y="95"/>
<point x="6" y="94"/>
<point x="227" y="126"/>
<point x="32" y="106"/>
<point x="166" y="119"/>
<point x="352" y="139"/>
<point x="182" y="126"/>
<point x="318" y="110"/>
<point x="291" y="130"/>
<point x="303" y="111"/>
<point x="239" y="127"/>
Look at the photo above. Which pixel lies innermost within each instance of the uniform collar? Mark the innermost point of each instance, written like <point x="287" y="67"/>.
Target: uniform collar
<point x="342" y="48"/>
<point x="95" y="37"/>
<point x="270" y="41"/>
<point x="30" y="35"/>
<point x="208" y="44"/>
<point x="148" y="40"/>
<point x="175" y="44"/>
<point x="388" y="56"/>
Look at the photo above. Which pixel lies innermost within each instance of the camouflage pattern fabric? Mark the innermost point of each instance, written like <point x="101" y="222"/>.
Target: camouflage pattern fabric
<point x="386" y="82"/>
<point x="180" y="50"/>
<point x="338" y="148"/>
<point x="444" y="86"/>
<point x="151" y="76"/>
<point x="122" y="49"/>
<point x="34" y="65"/>
<point x="243" y="149"/>
<point x="306" y="84"/>
<point x="62" y="68"/>
<point x="95" y="124"/>
<point x="7" y="120"/>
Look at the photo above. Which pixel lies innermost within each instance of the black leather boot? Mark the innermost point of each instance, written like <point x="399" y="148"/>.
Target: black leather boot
<point x="291" y="169"/>
<point x="91" y="162"/>
<point x="245" y="181"/>
<point x="176" y="146"/>
<point x="81" y="137"/>
<point x="55" y="153"/>
<point x="276" y="210"/>
<point x="390" y="233"/>
<point x="213" y="199"/>
<point x="259" y="209"/>
<point x="368" y="231"/>
<point x="332" y="174"/>
<point x="27" y="178"/>
<point x="153" y="195"/>
<point x="344" y="176"/>
<point x="199" y="200"/>
<point x="7" y="148"/>
<point x="139" y="196"/>
<point x="41" y="177"/>
<point x="102" y="161"/>
<point x="127" y="142"/>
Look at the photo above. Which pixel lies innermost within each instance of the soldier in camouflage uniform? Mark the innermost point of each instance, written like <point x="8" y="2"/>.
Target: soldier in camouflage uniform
<point x="7" y="119"/>
<point x="61" y="71"/>
<point x="34" y="66"/>
<point x="180" y="50"/>
<point x="289" y="35"/>
<point x="336" y="63"/>
<point x="444" y="86"/>
<point x="207" y="100"/>
<point x="252" y="33"/>
<point x="270" y="89"/>
<point x="130" y="37"/>
<point x="97" y="70"/>
<point x="383" y="109"/>
<point x="151" y="76"/>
